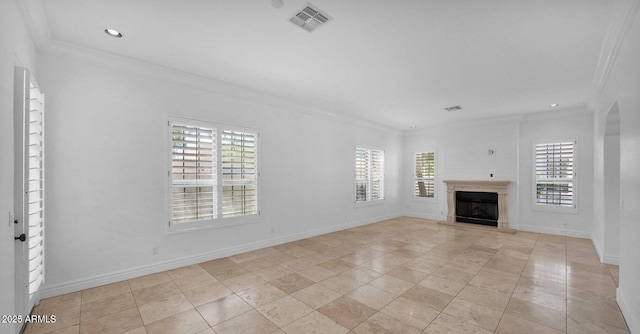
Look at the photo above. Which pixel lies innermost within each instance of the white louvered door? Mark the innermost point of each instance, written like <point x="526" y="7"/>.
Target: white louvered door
<point x="30" y="191"/>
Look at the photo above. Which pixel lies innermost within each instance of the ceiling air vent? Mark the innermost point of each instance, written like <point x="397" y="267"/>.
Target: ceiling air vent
<point x="454" y="108"/>
<point x="310" y="18"/>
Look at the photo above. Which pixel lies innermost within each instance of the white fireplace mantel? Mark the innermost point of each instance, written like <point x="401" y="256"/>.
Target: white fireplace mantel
<point x="499" y="187"/>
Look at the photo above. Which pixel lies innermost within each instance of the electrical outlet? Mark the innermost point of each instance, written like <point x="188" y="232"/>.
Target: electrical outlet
<point x="272" y="230"/>
<point x="156" y="250"/>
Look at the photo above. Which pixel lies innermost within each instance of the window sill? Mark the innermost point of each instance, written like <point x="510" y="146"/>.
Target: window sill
<point x="377" y="202"/>
<point x="554" y="209"/>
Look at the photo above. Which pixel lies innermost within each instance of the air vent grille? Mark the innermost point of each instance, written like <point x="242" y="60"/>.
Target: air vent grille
<point x="454" y="108"/>
<point x="310" y="18"/>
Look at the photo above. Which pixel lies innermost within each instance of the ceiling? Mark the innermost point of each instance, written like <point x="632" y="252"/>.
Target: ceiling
<point x="397" y="63"/>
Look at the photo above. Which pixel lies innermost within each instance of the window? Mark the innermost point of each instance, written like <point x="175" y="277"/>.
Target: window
<point x="555" y="175"/>
<point x="213" y="173"/>
<point x="425" y="175"/>
<point x="369" y="174"/>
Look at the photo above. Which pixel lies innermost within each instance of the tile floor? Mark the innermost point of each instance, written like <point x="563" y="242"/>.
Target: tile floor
<point x="404" y="275"/>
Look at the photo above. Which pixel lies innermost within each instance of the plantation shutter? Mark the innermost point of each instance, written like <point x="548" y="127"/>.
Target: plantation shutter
<point x="35" y="190"/>
<point x="239" y="174"/>
<point x="193" y="173"/>
<point x="362" y="174"/>
<point x="377" y="174"/>
<point x="424" y="185"/>
<point x="554" y="168"/>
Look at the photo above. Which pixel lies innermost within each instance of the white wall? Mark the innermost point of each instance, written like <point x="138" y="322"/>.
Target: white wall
<point x="622" y="87"/>
<point x="557" y="125"/>
<point x="462" y="154"/>
<point x="106" y="170"/>
<point x="16" y="48"/>
<point x="611" y="199"/>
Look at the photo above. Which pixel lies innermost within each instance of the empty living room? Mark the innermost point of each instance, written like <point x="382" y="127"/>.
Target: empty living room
<point x="286" y="166"/>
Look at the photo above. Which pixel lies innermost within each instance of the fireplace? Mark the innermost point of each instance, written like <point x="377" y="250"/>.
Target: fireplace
<point x="480" y="201"/>
<point x="477" y="207"/>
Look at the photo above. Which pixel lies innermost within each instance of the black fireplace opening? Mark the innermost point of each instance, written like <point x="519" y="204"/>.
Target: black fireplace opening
<point x="477" y="208"/>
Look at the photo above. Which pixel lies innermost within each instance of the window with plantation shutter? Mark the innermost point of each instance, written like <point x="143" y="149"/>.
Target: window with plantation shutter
<point x="369" y="174"/>
<point x="214" y="177"/>
<point x="193" y="170"/>
<point x="425" y="174"/>
<point x="555" y="174"/>
<point x="239" y="179"/>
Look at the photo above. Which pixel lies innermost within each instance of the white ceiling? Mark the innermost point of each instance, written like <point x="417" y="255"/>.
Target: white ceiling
<point x="397" y="63"/>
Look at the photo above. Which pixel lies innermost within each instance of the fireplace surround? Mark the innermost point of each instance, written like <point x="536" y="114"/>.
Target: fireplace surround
<point x="501" y="188"/>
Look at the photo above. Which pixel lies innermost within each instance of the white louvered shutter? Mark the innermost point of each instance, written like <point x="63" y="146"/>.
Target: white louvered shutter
<point x="554" y="168"/>
<point x="193" y="173"/>
<point x="35" y="191"/>
<point x="377" y="175"/>
<point x="239" y="173"/>
<point x="362" y="174"/>
<point x="424" y="185"/>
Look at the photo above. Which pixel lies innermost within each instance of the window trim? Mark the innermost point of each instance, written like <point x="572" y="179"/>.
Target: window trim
<point x="219" y="221"/>
<point x="414" y="177"/>
<point x="368" y="201"/>
<point x="548" y="207"/>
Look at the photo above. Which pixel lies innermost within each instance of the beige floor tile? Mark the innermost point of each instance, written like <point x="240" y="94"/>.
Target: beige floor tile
<point x="510" y="324"/>
<point x="105" y="306"/>
<point x="382" y="323"/>
<point x="256" y="264"/>
<point x="426" y="266"/>
<point x="156" y="292"/>
<point x="118" y="322"/>
<point x="244" y="257"/>
<point x="347" y="312"/>
<point x="337" y="265"/>
<point x="495" y="300"/>
<point x="539" y="314"/>
<point x="223" y="309"/>
<point x="371" y="296"/>
<point x="149" y="280"/>
<point x="447" y="324"/>
<point x="316" y="273"/>
<point x="195" y="279"/>
<point x="272" y="273"/>
<point x="139" y="330"/>
<point x="296" y="265"/>
<point x="541" y="298"/>
<point x="413" y="314"/>
<point x="75" y="329"/>
<point x="452" y="274"/>
<point x="316" y="295"/>
<point x="243" y="282"/>
<point x="595" y="313"/>
<point x="314" y="322"/>
<point x="292" y="283"/>
<point x="393" y="285"/>
<point x="494" y="280"/>
<point x="407" y="274"/>
<point x="428" y="297"/>
<point x="65" y="317"/>
<point x="592" y="297"/>
<point x="284" y="311"/>
<point x="200" y="295"/>
<point x="341" y="284"/>
<point x="542" y="284"/>
<point x="58" y="303"/>
<point x="249" y="322"/>
<point x="225" y="272"/>
<point x="443" y="285"/>
<point x="362" y="274"/>
<point x="577" y="325"/>
<point x="261" y="295"/>
<point x="505" y="263"/>
<point x="476" y="314"/>
<point x="187" y="271"/>
<point x="163" y="308"/>
<point x="188" y="322"/>
<point x="105" y="291"/>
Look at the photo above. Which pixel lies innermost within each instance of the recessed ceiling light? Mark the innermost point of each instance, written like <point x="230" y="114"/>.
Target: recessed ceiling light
<point x="413" y="126"/>
<point x="113" y="33"/>
<point x="553" y="105"/>
<point x="277" y="3"/>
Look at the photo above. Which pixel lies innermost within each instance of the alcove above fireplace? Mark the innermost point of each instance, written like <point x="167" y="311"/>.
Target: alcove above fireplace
<point x="480" y="202"/>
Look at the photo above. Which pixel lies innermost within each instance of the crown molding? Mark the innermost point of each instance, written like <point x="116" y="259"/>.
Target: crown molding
<point x="34" y="16"/>
<point x="132" y="65"/>
<point x="624" y="13"/>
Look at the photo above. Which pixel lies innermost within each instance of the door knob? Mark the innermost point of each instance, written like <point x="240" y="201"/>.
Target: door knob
<point x="22" y="237"/>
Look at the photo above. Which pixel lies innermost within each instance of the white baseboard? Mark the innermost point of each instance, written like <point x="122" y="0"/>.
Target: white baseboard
<point x="556" y="231"/>
<point x="99" y="280"/>
<point x="599" y="249"/>
<point x="630" y="316"/>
